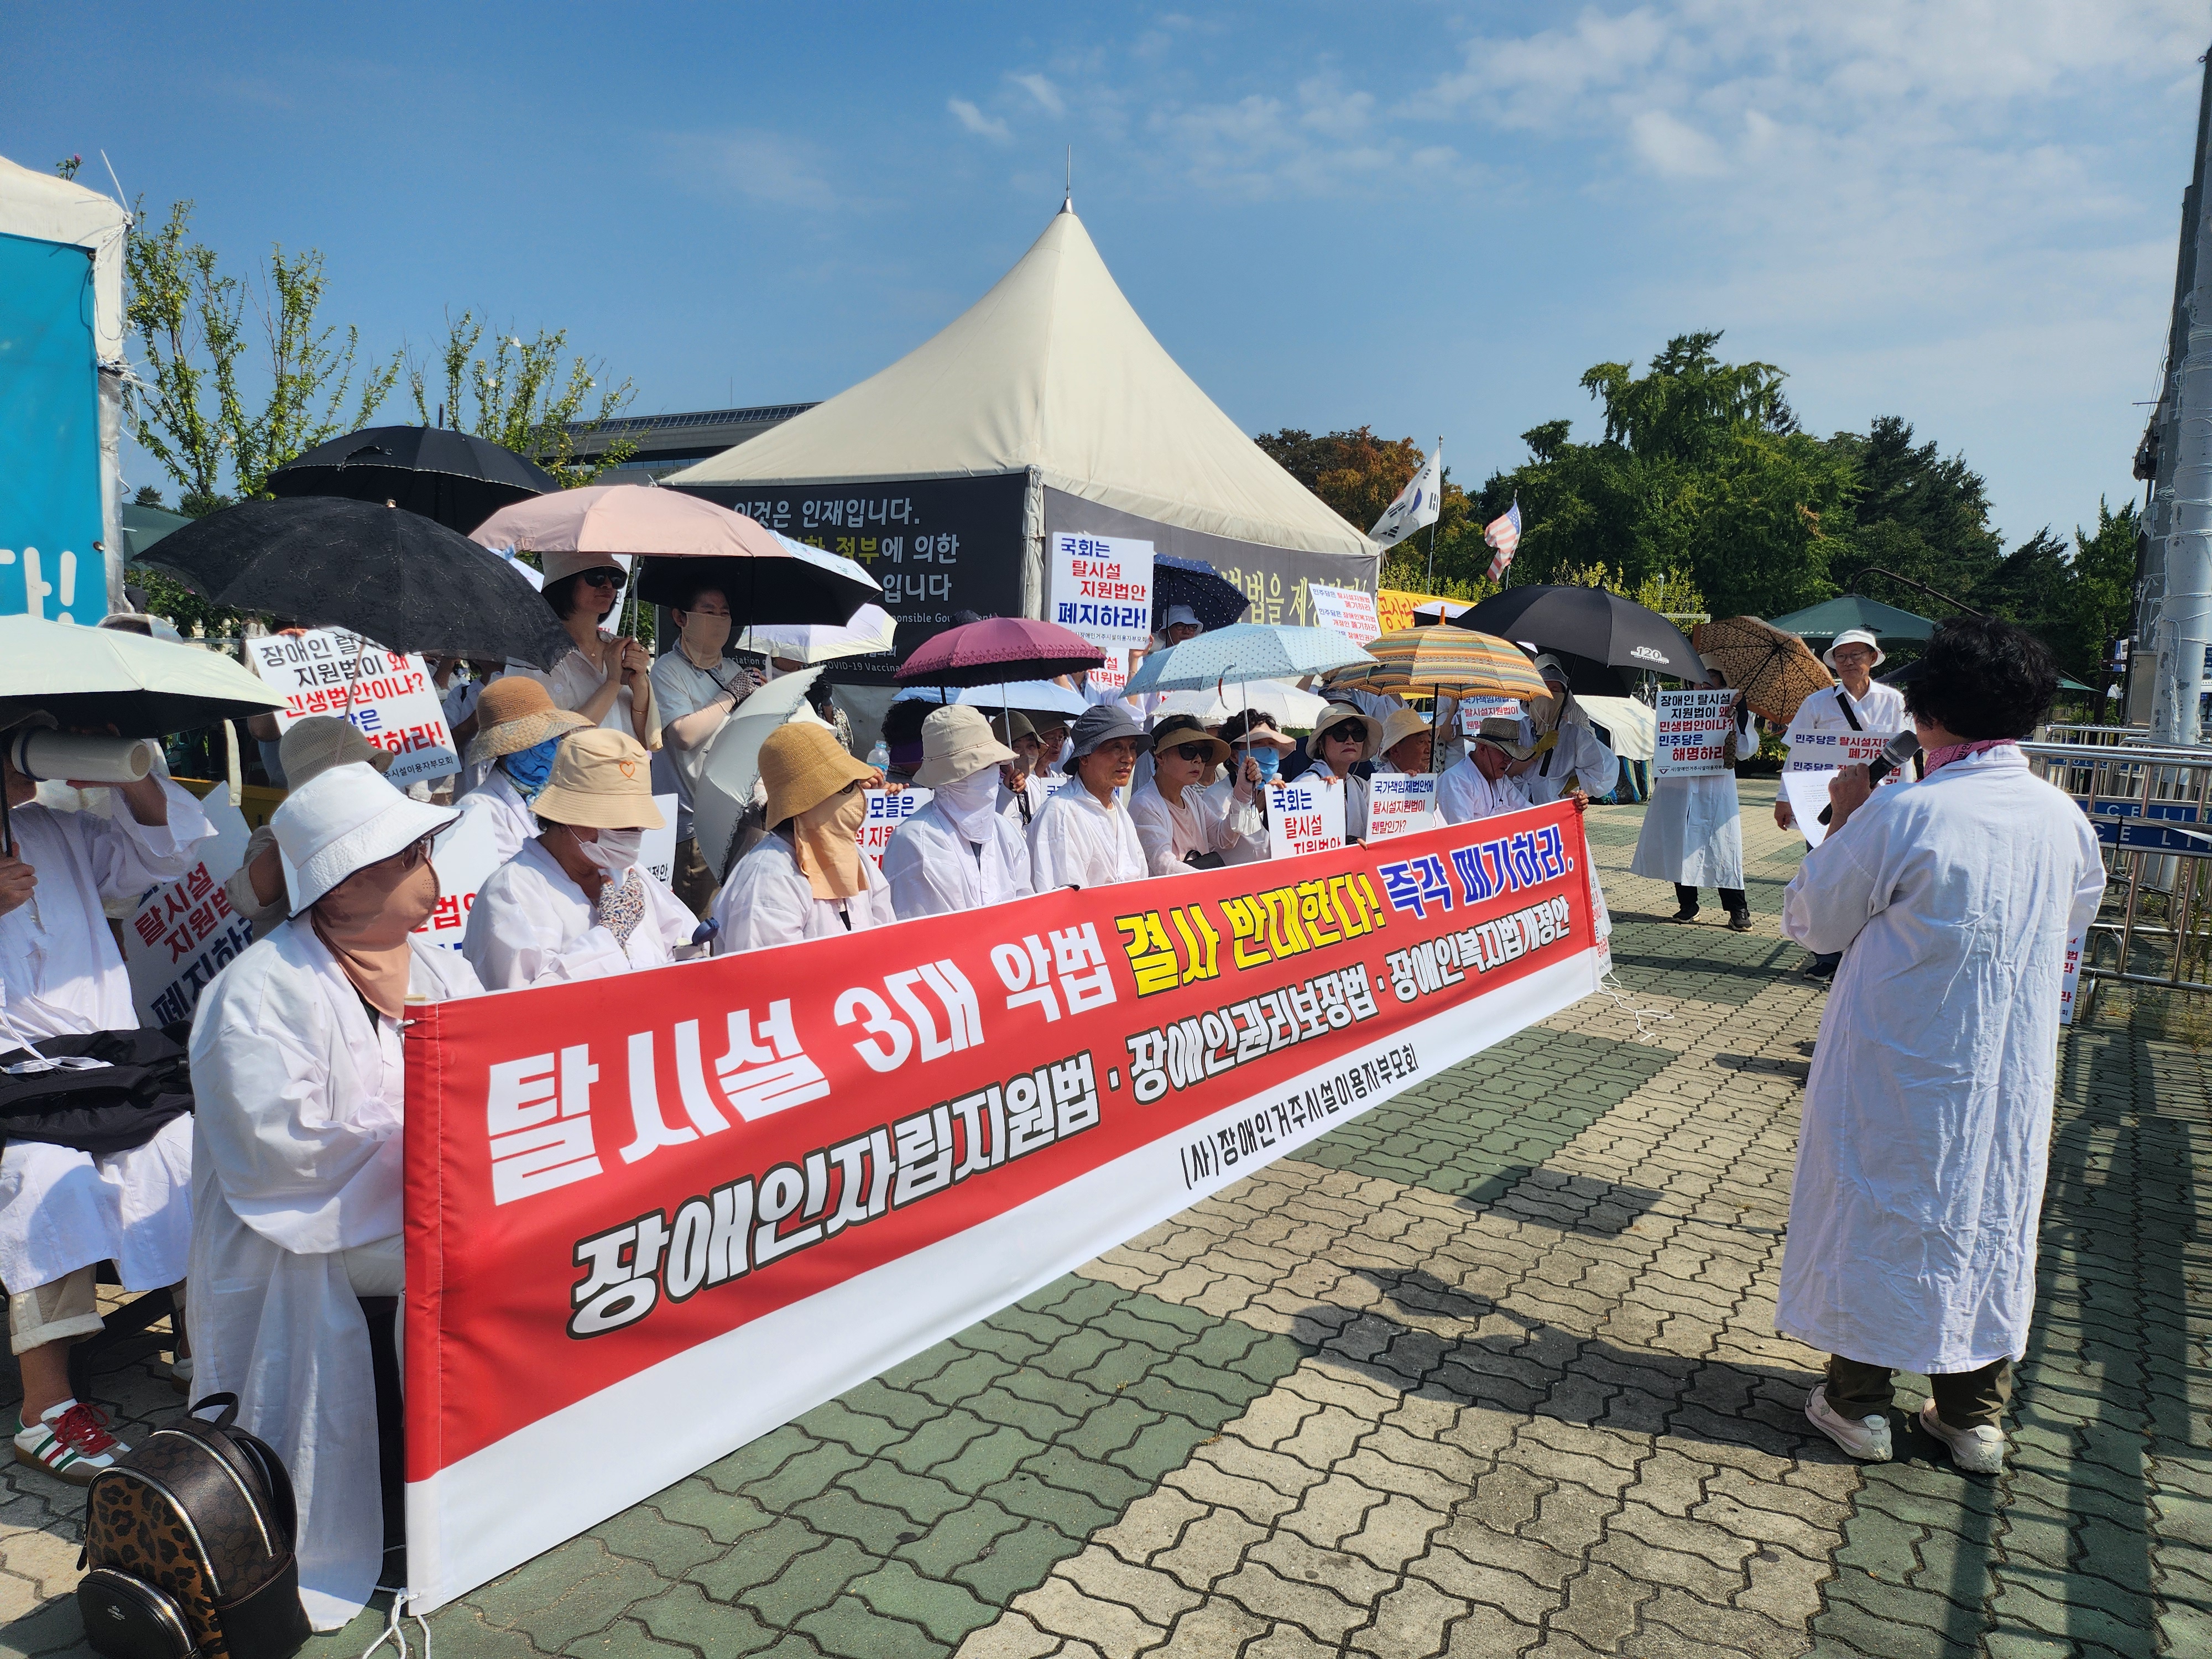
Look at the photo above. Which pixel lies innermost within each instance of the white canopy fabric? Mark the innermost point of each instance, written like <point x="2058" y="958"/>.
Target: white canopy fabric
<point x="46" y="208"/>
<point x="1052" y="370"/>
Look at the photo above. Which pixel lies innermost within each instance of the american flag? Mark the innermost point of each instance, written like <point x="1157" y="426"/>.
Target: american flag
<point x="1504" y="535"/>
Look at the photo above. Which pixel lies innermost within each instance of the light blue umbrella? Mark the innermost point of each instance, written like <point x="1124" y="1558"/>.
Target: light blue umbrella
<point x="1015" y="694"/>
<point x="1246" y="650"/>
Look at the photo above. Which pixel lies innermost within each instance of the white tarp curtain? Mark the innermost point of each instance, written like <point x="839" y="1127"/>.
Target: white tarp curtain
<point x="1053" y="372"/>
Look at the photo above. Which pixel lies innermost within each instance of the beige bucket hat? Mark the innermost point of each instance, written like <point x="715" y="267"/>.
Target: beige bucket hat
<point x="603" y="780"/>
<point x="956" y="743"/>
<point x="319" y="742"/>
<point x="1335" y="715"/>
<point x="1403" y="723"/>
<point x="1505" y="734"/>
<point x="802" y="765"/>
<point x="516" y="713"/>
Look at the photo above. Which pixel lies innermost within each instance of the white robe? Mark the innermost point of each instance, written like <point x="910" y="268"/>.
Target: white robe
<point x="61" y="975"/>
<point x="768" y="901"/>
<point x="1692" y="831"/>
<point x="1927" y="1122"/>
<point x="1076" y="842"/>
<point x="501" y="805"/>
<point x="1463" y="795"/>
<point x="531" y="925"/>
<point x="1221" y="798"/>
<point x="933" y="870"/>
<point x="298" y="1158"/>
<point x="1882" y="710"/>
<point x="1578" y="755"/>
<point x="1204" y="821"/>
<point x="1035" y="792"/>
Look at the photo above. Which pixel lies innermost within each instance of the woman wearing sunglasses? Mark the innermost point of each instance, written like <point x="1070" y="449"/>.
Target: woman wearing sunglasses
<point x="1343" y="736"/>
<point x="1181" y="824"/>
<point x="609" y="681"/>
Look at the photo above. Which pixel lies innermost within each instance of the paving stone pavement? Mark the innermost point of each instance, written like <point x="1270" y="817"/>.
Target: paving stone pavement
<point x="1488" y="1370"/>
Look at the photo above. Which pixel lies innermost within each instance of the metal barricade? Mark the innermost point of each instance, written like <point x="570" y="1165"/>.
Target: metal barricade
<point x="2152" y="808"/>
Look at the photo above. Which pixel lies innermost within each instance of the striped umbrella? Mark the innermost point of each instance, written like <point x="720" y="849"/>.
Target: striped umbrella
<point x="1458" y="660"/>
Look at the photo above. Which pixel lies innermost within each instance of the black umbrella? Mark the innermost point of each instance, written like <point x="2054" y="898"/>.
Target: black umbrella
<point x="1215" y="599"/>
<point x="454" y="477"/>
<point x="817" y="588"/>
<point x="1589" y="622"/>
<point x="388" y="575"/>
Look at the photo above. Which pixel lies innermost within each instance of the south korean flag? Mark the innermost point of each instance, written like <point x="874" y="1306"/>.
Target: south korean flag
<point x="1416" y="505"/>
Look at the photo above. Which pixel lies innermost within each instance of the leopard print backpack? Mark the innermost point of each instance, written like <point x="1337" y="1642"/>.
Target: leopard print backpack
<point x="188" y="1543"/>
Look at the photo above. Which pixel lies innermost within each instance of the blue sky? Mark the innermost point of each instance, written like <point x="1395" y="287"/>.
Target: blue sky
<point x="1430" y="218"/>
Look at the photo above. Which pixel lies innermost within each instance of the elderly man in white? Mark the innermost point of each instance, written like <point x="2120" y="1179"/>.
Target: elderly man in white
<point x="297" y="1150"/>
<point x="574" y="903"/>
<point x="1086" y="837"/>
<point x="64" y="1212"/>
<point x="1480" y="784"/>
<point x="958" y="853"/>
<point x="1566" y="755"/>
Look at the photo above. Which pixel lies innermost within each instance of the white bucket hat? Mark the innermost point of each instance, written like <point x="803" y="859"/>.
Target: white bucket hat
<point x="346" y="819"/>
<point x="1181" y="615"/>
<point x="957" y="743"/>
<point x="1854" y="636"/>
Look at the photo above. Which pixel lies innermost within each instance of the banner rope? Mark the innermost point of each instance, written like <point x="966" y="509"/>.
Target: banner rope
<point x="398" y="1637"/>
<point x="1609" y="985"/>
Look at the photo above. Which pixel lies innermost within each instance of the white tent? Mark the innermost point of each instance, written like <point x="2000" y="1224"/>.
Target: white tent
<point x="1052" y="376"/>
<point x="42" y="208"/>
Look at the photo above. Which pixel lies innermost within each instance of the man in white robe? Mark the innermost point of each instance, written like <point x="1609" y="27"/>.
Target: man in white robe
<point x="297" y="1158"/>
<point x="310" y="746"/>
<point x="1567" y="754"/>
<point x="1085" y="837"/>
<point x="63" y="1212"/>
<point x="1927" y="1123"/>
<point x="958" y="853"/>
<point x="1480" y="784"/>
<point x="807" y="877"/>
<point x="1180" y="823"/>
<point x="574" y="903"/>
<point x="1692" y="833"/>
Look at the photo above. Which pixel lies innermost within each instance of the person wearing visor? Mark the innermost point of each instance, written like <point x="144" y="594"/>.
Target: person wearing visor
<point x="1857" y="703"/>
<point x="1566" y="755"/>
<point x="1086" y="837"/>
<point x="1252" y="735"/>
<point x="958" y="853"/>
<point x="1022" y="789"/>
<point x="1180" y="823"/>
<point x="517" y="730"/>
<point x="606" y="680"/>
<point x="1407" y="744"/>
<point x="1692" y="833"/>
<point x="63" y="1212"/>
<point x="1480" y="784"/>
<point x="1343" y="736"/>
<point x="574" y="903"/>
<point x="695" y="689"/>
<point x="807" y="878"/>
<point x="297" y="1161"/>
<point x="308" y="747"/>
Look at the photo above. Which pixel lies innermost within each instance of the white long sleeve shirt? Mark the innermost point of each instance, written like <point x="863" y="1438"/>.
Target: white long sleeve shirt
<point x="1578" y="755"/>
<point x="501" y="805"/>
<point x="1076" y="842"/>
<point x="932" y="869"/>
<point x="1463" y="795"/>
<point x="768" y="901"/>
<point x="1882" y="710"/>
<point x="531" y="925"/>
<point x="1204" y="821"/>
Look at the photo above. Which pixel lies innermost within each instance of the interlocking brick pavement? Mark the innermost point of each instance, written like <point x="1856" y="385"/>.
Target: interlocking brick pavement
<point x="1489" y="1371"/>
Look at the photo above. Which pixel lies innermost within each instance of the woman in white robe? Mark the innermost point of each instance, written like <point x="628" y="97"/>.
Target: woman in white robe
<point x="1343" y="736"/>
<point x="1692" y="833"/>
<point x="519" y="732"/>
<point x="63" y="1212"/>
<point x="958" y="853"/>
<point x="297" y="1159"/>
<point x="1085" y="837"/>
<point x="1178" y="818"/>
<point x="807" y="878"/>
<point x="1927" y="1123"/>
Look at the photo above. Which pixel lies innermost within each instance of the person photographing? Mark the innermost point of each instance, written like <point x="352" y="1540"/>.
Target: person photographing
<point x="1927" y="1121"/>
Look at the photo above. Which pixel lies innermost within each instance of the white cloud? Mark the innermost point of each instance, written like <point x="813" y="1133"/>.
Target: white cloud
<point x="768" y="167"/>
<point x="1046" y="93"/>
<point x="974" y="119"/>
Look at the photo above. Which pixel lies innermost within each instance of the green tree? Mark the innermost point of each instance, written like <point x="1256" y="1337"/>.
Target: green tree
<point x="525" y="400"/>
<point x="1915" y="513"/>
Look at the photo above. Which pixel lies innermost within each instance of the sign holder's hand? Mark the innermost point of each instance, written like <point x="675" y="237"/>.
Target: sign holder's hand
<point x="17" y="880"/>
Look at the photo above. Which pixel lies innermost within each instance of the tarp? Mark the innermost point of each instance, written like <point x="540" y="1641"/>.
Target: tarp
<point x="61" y="418"/>
<point x="1830" y="617"/>
<point x="1053" y="375"/>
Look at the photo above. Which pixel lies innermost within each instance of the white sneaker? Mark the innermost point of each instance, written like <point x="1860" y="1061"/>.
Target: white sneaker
<point x="1866" y="1439"/>
<point x="68" y="1441"/>
<point x="1977" y="1451"/>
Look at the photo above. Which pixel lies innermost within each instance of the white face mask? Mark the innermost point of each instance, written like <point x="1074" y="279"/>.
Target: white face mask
<point x="614" y="851"/>
<point x="971" y="803"/>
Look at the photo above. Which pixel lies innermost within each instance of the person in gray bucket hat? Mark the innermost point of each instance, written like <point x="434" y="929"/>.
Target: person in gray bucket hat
<point x="1084" y="836"/>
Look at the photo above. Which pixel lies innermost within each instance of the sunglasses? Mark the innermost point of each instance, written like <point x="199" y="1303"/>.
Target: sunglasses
<point x="1191" y="751"/>
<point x="413" y="855"/>
<point x="601" y="579"/>
<point x="1348" y="732"/>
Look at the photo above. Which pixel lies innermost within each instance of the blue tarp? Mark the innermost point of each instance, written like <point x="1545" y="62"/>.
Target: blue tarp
<point x="50" y="514"/>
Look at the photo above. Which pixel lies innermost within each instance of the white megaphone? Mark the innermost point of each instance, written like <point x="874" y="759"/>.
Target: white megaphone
<point x="40" y="752"/>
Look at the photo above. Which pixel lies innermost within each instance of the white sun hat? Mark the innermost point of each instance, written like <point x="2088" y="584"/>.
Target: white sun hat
<point x="1854" y="636"/>
<point x="346" y="819"/>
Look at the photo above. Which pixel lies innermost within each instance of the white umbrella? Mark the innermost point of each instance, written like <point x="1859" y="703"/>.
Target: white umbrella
<point x="1292" y="710"/>
<point x="98" y="676"/>
<point x="869" y="630"/>
<point x="722" y="785"/>
<point x="1025" y="694"/>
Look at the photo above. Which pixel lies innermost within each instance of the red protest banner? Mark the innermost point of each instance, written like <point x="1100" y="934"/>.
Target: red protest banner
<point x="699" y="1200"/>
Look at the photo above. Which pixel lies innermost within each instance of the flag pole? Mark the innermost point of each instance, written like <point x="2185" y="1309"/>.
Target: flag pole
<point x="1440" y="510"/>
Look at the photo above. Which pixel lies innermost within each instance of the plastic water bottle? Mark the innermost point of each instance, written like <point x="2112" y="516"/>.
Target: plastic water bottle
<point x="880" y="755"/>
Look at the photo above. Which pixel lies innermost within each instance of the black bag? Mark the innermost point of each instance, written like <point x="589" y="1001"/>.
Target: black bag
<point x="189" y="1542"/>
<point x="144" y="1085"/>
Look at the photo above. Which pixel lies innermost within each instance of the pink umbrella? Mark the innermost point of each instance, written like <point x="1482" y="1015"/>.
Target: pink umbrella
<point x="982" y="653"/>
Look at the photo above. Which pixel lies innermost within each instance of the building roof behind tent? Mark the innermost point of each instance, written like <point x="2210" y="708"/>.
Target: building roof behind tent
<point x="45" y="207"/>
<point x="1830" y="617"/>
<point x="1052" y="369"/>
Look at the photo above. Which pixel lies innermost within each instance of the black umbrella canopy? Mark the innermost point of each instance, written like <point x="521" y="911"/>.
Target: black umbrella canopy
<point x="389" y="574"/>
<point x="1217" y="601"/>
<point x="455" y="477"/>
<point x="808" y="587"/>
<point x="1589" y="623"/>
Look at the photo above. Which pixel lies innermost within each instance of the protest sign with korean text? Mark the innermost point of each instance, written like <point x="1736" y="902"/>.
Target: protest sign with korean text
<point x="708" y="1197"/>
<point x="1823" y="752"/>
<point x="1482" y="706"/>
<point x="1346" y="610"/>
<point x="1102" y="588"/>
<point x="887" y="809"/>
<point x="1305" y="816"/>
<point x="183" y="933"/>
<point x="1400" y="804"/>
<point x="1693" y="730"/>
<point x="657" y="854"/>
<point x="388" y="696"/>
